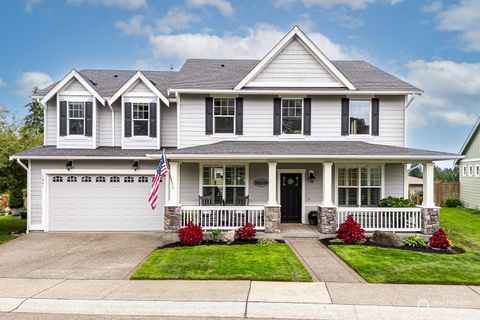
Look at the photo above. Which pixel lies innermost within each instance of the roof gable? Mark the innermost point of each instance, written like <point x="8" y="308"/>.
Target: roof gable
<point x="471" y="137"/>
<point x="294" y="47"/>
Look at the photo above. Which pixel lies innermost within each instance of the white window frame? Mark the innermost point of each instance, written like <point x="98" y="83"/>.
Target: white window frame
<point x="464" y="170"/>
<point x="369" y="119"/>
<point x="133" y="120"/>
<point x="359" y="186"/>
<point x="301" y="118"/>
<point x="224" y="186"/>
<point x="75" y="118"/>
<point x="234" y="116"/>
<point x="477" y="170"/>
<point x="470" y="171"/>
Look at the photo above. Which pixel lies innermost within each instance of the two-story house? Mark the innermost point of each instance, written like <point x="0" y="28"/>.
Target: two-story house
<point x="265" y="141"/>
<point x="469" y="169"/>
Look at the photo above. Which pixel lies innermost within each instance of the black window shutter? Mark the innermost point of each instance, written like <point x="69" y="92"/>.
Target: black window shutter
<point x="63" y="118"/>
<point x="153" y="119"/>
<point x="239" y="116"/>
<point x="345" y="115"/>
<point x="307" y="116"/>
<point x="277" y="119"/>
<point x="208" y="115"/>
<point x="88" y="118"/>
<point x="128" y="119"/>
<point x="375" y="116"/>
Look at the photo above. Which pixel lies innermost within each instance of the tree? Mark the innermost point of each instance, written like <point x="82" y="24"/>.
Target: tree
<point x="446" y="174"/>
<point x="416" y="170"/>
<point x="33" y="123"/>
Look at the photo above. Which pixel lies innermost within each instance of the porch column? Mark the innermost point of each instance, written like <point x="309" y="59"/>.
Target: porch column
<point x="406" y="194"/>
<point x="173" y="184"/>
<point x="272" y="183"/>
<point x="327" y="184"/>
<point x="428" y="185"/>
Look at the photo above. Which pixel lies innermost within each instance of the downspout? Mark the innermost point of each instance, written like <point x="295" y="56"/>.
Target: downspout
<point x="21" y="163"/>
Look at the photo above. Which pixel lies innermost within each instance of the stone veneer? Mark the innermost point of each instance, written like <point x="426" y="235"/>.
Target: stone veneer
<point x="430" y="220"/>
<point x="172" y="218"/>
<point x="327" y="220"/>
<point x="272" y="219"/>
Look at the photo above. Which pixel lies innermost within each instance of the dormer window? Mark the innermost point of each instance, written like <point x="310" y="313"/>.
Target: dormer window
<point x="76" y="118"/>
<point x="292" y="115"/>
<point x="224" y="115"/>
<point x="140" y="119"/>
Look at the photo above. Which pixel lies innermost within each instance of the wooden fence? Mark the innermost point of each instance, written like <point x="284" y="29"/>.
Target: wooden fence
<point x="444" y="190"/>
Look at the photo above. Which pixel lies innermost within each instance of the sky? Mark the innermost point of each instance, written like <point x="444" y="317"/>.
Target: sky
<point x="435" y="45"/>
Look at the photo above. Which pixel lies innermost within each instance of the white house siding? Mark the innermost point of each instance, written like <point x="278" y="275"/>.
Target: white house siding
<point x="258" y="121"/>
<point x="117" y="109"/>
<point x="36" y="176"/>
<point x="51" y="122"/>
<point x="258" y="194"/>
<point x="168" y="125"/>
<point x="294" y="64"/>
<point x="394" y="176"/>
<point x="189" y="179"/>
<point x="104" y="125"/>
<point x="75" y="87"/>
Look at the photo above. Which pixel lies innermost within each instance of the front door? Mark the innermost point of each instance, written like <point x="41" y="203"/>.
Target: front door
<point x="291" y="197"/>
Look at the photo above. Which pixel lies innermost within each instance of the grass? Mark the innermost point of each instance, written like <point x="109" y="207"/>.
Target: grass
<point x="275" y="262"/>
<point x="9" y="224"/>
<point x="386" y="265"/>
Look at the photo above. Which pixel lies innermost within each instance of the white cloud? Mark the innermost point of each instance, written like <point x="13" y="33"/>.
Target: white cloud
<point x="30" y="4"/>
<point x="352" y="4"/>
<point x="254" y="44"/>
<point x="126" y="4"/>
<point x="283" y="4"/>
<point x="132" y="27"/>
<point x="176" y="19"/>
<point x="224" y="6"/>
<point x="27" y="81"/>
<point x="452" y="93"/>
<point x="347" y="20"/>
<point x="2" y="83"/>
<point x="463" y="17"/>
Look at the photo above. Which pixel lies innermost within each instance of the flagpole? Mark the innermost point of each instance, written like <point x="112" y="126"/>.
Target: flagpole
<point x="168" y="169"/>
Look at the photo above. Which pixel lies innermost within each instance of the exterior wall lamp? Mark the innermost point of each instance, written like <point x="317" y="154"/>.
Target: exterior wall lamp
<point x="311" y="175"/>
<point x="69" y="165"/>
<point x="135" y="165"/>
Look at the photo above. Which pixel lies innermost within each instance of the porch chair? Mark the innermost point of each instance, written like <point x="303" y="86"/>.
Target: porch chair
<point x="206" y="216"/>
<point x="242" y="214"/>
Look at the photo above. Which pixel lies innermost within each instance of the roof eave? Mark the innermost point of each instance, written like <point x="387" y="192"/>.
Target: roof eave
<point x="279" y="91"/>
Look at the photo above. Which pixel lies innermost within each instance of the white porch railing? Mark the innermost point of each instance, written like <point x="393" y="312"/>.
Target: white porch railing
<point x="224" y="217"/>
<point x="384" y="219"/>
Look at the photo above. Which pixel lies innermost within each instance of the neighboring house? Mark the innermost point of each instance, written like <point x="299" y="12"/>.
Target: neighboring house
<point x="469" y="169"/>
<point x="265" y="141"/>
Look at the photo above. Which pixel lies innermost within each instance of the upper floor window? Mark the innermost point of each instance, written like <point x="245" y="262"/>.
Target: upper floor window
<point x="292" y="115"/>
<point x="223" y="115"/>
<point x="140" y="119"/>
<point x="360" y="116"/>
<point x="76" y="118"/>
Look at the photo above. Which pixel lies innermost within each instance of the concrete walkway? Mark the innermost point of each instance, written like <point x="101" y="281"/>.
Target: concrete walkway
<point x="238" y="299"/>
<point x="323" y="264"/>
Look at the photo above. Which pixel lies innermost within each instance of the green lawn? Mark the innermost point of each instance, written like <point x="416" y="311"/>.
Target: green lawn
<point x="274" y="262"/>
<point x="9" y="224"/>
<point x="385" y="265"/>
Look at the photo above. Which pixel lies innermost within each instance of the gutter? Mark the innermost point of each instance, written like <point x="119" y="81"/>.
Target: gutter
<point x="18" y="158"/>
<point x="293" y="92"/>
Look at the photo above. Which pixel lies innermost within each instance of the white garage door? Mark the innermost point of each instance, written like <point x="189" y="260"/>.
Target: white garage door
<point x="103" y="203"/>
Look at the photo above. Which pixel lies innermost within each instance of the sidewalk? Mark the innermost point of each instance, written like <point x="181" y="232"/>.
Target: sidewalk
<point x="239" y="299"/>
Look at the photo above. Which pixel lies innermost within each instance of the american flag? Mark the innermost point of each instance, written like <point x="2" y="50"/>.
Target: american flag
<point x="159" y="173"/>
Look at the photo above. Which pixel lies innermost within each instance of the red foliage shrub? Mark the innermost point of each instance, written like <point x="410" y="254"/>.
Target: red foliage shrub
<point x="191" y="234"/>
<point x="439" y="240"/>
<point x="247" y="232"/>
<point x="350" y="231"/>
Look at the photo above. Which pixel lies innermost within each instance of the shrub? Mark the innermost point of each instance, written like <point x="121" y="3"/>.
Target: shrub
<point x="191" y="234"/>
<point x="214" y="235"/>
<point x="229" y="237"/>
<point x="350" y="231"/>
<point x="394" y="202"/>
<point x="266" y="241"/>
<point x="439" y="240"/>
<point x="414" y="241"/>
<point x="247" y="232"/>
<point x="15" y="199"/>
<point x="453" y="202"/>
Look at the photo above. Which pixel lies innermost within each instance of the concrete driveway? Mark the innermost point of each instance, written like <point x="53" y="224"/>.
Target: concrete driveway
<point x="76" y="255"/>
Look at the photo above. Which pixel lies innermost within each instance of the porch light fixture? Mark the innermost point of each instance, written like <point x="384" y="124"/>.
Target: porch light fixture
<point x="135" y="165"/>
<point x="69" y="165"/>
<point x="311" y="174"/>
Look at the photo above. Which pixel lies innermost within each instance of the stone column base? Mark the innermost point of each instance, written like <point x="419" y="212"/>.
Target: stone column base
<point x="272" y="219"/>
<point x="430" y="219"/>
<point x="327" y="220"/>
<point x="172" y="218"/>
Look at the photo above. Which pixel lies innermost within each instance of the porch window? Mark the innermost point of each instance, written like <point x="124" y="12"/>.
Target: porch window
<point x="359" y="186"/>
<point x="140" y="119"/>
<point x="360" y="116"/>
<point x="76" y="118"/>
<point x="292" y="115"/>
<point x="224" y="183"/>
<point x="223" y="115"/>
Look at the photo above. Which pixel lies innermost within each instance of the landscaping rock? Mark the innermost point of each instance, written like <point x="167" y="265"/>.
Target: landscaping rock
<point x="387" y="238"/>
<point x="229" y="237"/>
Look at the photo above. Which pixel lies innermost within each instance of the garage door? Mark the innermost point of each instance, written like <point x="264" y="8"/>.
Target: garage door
<point x="103" y="203"/>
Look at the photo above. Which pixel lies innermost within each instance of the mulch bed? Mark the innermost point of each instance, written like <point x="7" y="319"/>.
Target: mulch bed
<point x="209" y="243"/>
<point x="370" y="243"/>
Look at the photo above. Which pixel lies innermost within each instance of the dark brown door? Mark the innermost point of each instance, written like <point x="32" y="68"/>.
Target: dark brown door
<point x="291" y="197"/>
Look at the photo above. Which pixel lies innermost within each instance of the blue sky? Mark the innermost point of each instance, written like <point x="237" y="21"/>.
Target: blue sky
<point x="433" y="44"/>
